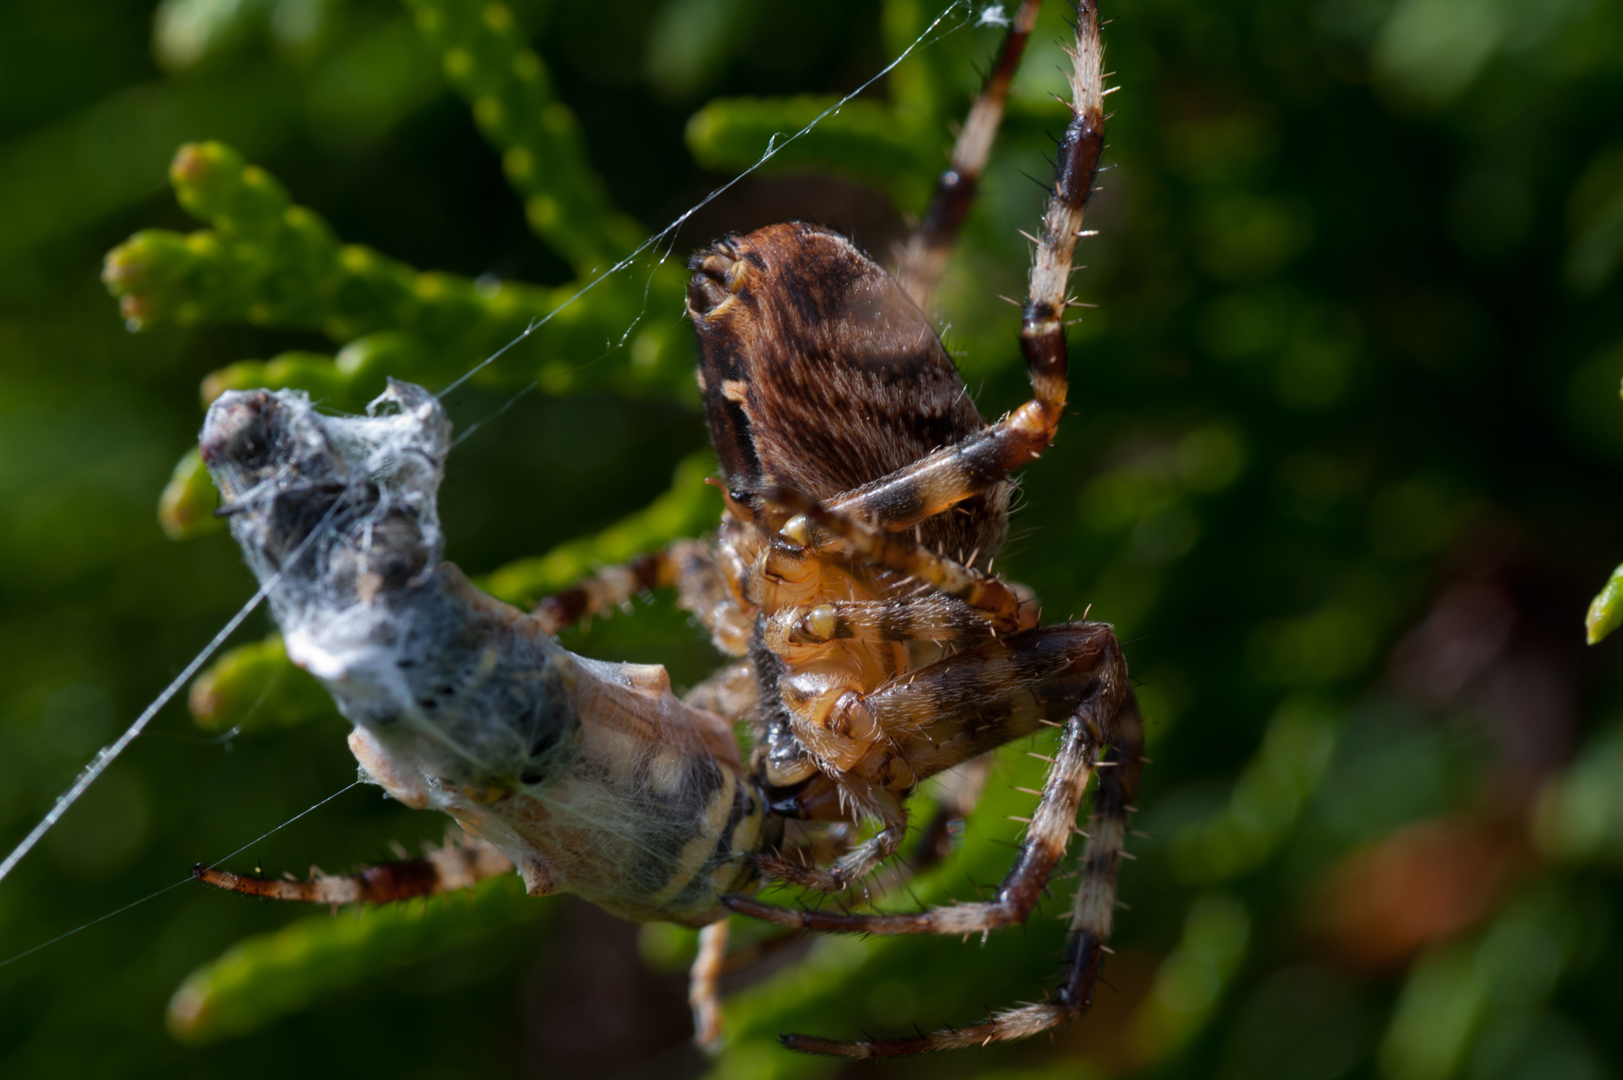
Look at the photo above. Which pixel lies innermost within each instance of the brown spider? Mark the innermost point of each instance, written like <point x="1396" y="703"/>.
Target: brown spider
<point x="867" y="661"/>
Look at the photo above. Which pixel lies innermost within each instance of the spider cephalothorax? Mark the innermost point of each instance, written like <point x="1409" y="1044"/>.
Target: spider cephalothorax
<point x="864" y="490"/>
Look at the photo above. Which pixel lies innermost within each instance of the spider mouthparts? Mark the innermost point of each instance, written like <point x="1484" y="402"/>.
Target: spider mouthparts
<point x="705" y="295"/>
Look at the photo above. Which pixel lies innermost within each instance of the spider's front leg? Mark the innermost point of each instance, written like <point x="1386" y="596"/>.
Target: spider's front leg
<point x="985" y="459"/>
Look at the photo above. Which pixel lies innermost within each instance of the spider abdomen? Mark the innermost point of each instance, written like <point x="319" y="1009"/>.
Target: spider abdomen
<point x="819" y="374"/>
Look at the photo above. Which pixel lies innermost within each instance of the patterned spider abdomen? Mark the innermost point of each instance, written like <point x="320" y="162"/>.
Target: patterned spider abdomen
<point x="819" y="374"/>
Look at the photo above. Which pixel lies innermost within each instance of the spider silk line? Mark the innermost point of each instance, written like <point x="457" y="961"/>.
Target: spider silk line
<point x="183" y="881"/>
<point x="108" y="754"/>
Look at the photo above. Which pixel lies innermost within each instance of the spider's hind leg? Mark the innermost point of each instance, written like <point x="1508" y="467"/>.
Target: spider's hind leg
<point x="953" y="710"/>
<point x="1075" y="669"/>
<point x="1091" y="912"/>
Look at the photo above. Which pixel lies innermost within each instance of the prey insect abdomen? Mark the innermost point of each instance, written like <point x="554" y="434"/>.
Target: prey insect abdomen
<point x="590" y="777"/>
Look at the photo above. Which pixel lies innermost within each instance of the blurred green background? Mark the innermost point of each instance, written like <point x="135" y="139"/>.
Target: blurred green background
<point x="1345" y="427"/>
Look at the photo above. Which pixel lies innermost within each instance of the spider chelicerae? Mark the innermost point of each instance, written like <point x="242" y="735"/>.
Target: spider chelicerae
<point x="863" y="490"/>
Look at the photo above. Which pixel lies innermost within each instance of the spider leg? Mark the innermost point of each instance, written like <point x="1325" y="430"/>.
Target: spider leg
<point x="607" y="590"/>
<point x="687" y="565"/>
<point x="975" y="464"/>
<point x="932" y="618"/>
<point x="704" y="990"/>
<point x="1091" y="910"/>
<point x="445" y="869"/>
<point x="996" y="601"/>
<point x="927" y="250"/>
<point x="959" y="793"/>
<point x="930" y="719"/>
<point x="1075" y="669"/>
<point x="856" y="864"/>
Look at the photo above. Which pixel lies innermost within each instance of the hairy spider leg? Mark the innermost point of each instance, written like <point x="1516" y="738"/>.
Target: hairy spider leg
<point x="956" y="709"/>
<point x="1091" y="913"/>
<point x="687" y="565"/>
<point x="935" y="619"/>
<point x="980" y="461"/>
<point x="996" y="602"/>
<point x="925" y="255"/>
<point x="456" y="865"/>
<point x="945" y="713"/>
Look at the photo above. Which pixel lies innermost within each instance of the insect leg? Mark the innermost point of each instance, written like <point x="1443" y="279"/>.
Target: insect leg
<point x="445" y="869"/>
<point x="704" y="992"/>
<point x="927" y="250"/>
<point x="947" y="476"/>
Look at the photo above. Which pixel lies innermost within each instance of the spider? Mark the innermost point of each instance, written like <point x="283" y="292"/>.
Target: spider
<point x="867" y="659"/>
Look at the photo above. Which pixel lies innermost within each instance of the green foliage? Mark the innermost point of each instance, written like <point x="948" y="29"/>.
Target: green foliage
<point x="689" y="508"/>
<point x="1345" y="418"/>
<point x="543" y="153"/>
<point x="266" y="977"/>
<point x="254" y="688"/>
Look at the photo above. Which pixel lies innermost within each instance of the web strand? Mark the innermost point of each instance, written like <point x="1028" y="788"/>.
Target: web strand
<point x="108" y="754"/>
<point x="772" y="148"/>
<point x="183" y="881"/>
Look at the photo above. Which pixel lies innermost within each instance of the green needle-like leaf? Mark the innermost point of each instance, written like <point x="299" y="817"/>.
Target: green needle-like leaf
<point x="1606" y="610"/>
<point x="864" y="141"/>
<point x="255" y="689"/>
<point x="275" y="264"/>
<point x="517" y="108"/>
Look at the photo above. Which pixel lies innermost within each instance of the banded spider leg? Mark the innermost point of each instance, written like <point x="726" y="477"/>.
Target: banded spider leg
<point x="1092" y="906"/>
